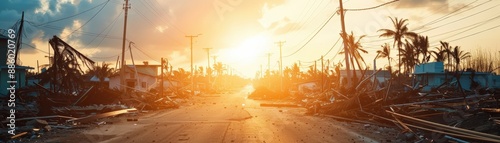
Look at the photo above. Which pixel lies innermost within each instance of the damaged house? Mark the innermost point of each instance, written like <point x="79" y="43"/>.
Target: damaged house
<point x="20" y="75"/>
<point x="433" y="75"/>
<point x="139" y="77"/>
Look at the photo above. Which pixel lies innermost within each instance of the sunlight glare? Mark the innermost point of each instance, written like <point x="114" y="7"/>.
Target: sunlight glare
<point x="249" y="50"/>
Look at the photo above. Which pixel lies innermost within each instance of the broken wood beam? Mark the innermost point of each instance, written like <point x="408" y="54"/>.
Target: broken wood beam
<point x="446" y="127"/>
<point x="99" y="116"/>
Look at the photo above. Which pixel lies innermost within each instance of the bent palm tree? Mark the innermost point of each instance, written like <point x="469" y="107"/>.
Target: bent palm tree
<point x="459" y="55"/>
<point x="439" y="54"/>
<point x="399" y="33"/>
<point x="385" y="53"/>
<point x="355" y="48"/>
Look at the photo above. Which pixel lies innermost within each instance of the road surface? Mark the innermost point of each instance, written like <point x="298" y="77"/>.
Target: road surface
<point x="230" y="118"/>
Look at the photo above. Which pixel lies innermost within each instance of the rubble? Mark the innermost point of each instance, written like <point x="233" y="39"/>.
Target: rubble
<point x="62" y="98"/>
<point x="445" y="113"/>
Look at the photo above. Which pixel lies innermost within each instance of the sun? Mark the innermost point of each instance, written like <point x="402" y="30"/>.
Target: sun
<point x="249" y="54"/>
<point x="249" y="50"/>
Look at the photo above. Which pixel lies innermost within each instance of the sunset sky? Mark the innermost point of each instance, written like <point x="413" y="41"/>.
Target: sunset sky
<point x="242" y="32"/>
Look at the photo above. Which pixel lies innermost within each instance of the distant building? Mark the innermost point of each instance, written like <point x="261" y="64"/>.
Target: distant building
<point x="306" y="87"/>
<point x="432" y="75"/>
<point x="381" y="77"/>
<point x="141" y="77"/>
<point x="20" y="75"/>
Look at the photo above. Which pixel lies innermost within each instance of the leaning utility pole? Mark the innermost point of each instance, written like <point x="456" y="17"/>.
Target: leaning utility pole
<point x="192" y="78"/>
<point x="122" y="71"/>
<point x="346" y="48"/>
<point x="280" y="43"/>
<point x="209" y="73"/>
<point x="19" y="39"/>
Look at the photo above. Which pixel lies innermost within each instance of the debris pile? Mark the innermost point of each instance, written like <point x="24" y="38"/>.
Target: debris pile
<point x="447" y="113"/>
<point x="63" y="97"/>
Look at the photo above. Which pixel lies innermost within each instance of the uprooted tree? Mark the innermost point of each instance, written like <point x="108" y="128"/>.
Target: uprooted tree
<point x="65" y="74"/>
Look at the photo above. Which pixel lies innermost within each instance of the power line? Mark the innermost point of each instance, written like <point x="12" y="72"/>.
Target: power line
<point x="433" y="21"/>
<point x="145" y="18"/>
<point x="153" y="10"/>
<point x="73" y="15"/>
<point x="109" y="57"/>
<point x="31" y="46"/>
<point x="321" y="28"/>
<point x="472" y="26"/>
<point x="332" y="47"/>
<point x="475" y="33"/>
<point x="80" y="32"/>
<point x="153" y="25"/>
<point x="102" y="39"/>
<point x="479" y="23"/>
<point x="303" y="14"/>
<point x="87" y="20"/>
<point x="140" y="50"/>
<point x="441" y="19"/>
<point x="459" y="19"/>
<point x="449" y="14"/>
<point x="307" y="22"/>
<point x="172" y="24"/>
<point x="369" y="8"/>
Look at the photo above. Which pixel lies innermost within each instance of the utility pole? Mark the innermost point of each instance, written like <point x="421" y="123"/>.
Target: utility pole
<point x="322" y="76"/>
<point x="209" y="73"/>
<point x="269" y="69"/>
<point x="268" y="62"/>
<point x="346" y="48"/>
<point x="122" y="71"/>
<point x="280" y="43"/>
<point x="315" y="66"/>
<point x="19" y="39"/>
<point x="192" y="78"/>
<point x="261" y="71"/>
<point x="161" y="77"/>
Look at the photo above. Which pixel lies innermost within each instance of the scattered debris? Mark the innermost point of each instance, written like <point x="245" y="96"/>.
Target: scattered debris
<point x="447" y="112"/>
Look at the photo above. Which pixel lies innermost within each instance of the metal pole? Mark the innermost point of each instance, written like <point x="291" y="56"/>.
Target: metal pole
<point x="161" y="77"/>
<point x="322" y="70"/>
<point x="192" y="78"/>
<point x="346" y="48"/>
<point x="280" y="43"/>
<point x="209" y="73"/>
<point x="122" y="71"/>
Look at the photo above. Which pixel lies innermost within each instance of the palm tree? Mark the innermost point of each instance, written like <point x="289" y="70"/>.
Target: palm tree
<point x="102" y="72"/>
<point x="295" y="72"/>
<point x="421" y="43"/>
<point x="219" y="68"/>
<point x="399" y="33"/>
<point x="181" y="74"/>
<point x="409" y="57"/>
<point x="459" y="55"/>
<point x="355" y="48"/>
<point x="385" y="53"/>
<point x="447" y="49"/>
<point x="439" y="54"/>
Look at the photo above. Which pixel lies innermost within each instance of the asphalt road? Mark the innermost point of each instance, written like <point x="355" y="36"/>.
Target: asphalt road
<point x="232" y="118"/>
